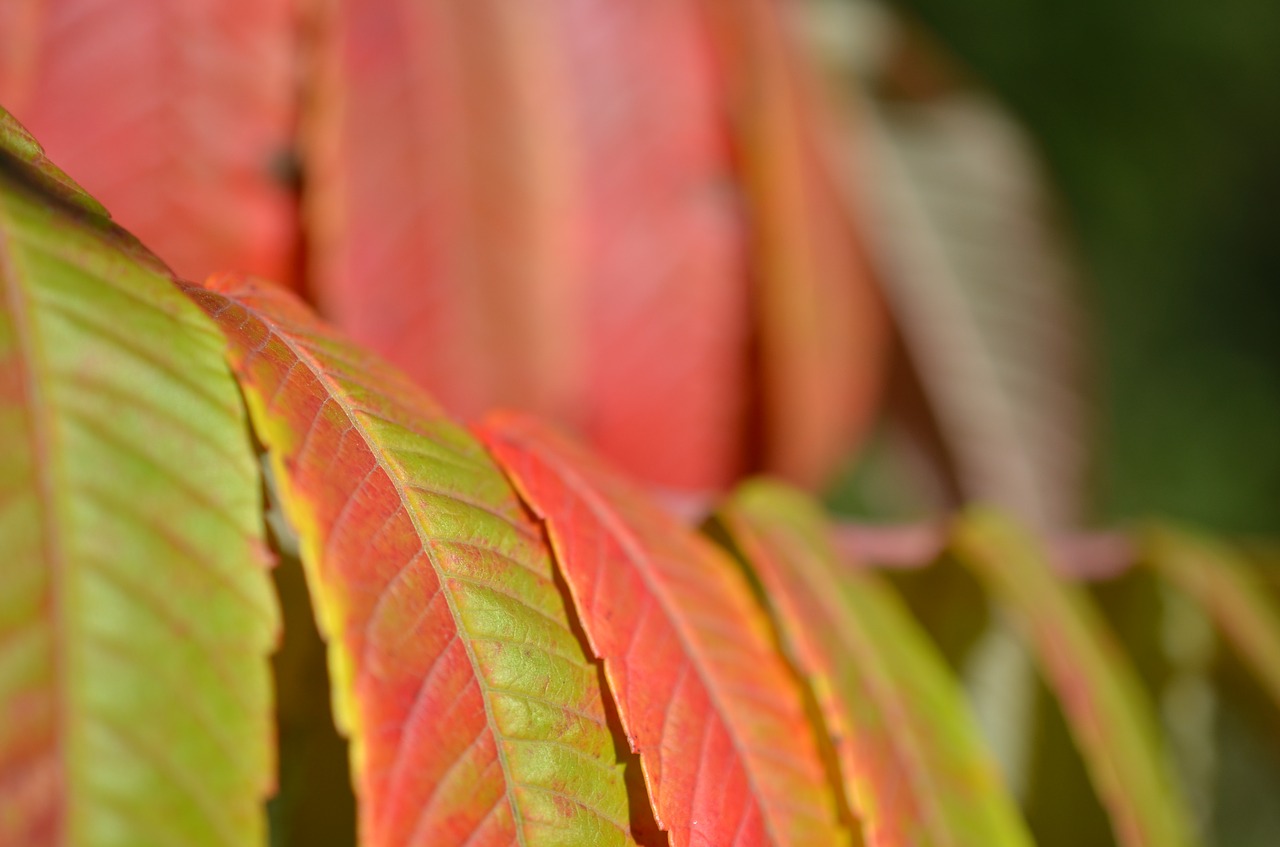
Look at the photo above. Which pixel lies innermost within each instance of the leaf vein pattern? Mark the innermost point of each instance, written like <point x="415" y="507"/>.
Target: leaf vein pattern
<point x="482" y="583"/>
<point x="121" y="506"/>
<point x="217" y="656"/>
<point x="155" y="411"/>
<point x="496" y="589"/>
<point x="336" y="526"/>
<point x="210" y="809"/>
<point x="420" y="488"/>
<point x="534" y="698"/>
<point x="398" y="763"/>
<point x="180" y="691"/>
<point x="66" y="310"/>
<point x="424" y="814"/>
<point x="479" y="827"/>
<point x="120" y="445"/>
<point x="472" y="544"/>
<point x="405" y="484"/>
<point x="528" y="645"/>
<point x="634" y="550"/>
<point x="575" y="801"/>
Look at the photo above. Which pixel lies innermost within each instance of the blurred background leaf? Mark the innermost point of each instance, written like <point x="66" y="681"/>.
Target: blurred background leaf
<point x="1158" y="123"/>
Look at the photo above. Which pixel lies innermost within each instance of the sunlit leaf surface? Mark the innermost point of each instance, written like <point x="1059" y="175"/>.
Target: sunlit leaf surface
<point x="728" y="753"/>
<point x="473" y="714"/>
<point x="136" y="613"/>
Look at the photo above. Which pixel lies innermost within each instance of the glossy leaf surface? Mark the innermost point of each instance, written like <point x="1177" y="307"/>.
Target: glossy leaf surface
<point x="1234" y="596"/>
<point x="473" y="714"/>
<point x="716" y="715"/>
<point x="136" y="612"/>
<point x="914" y="767"/>
<point x="1109" y="715"/>
<point x="178" y="116"/>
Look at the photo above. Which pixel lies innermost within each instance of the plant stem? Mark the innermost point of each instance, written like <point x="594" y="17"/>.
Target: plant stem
<point x="1086" y="556"/>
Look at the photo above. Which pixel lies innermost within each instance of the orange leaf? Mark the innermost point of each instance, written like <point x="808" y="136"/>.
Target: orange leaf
<point x="821" y="325"/>
<point x="717" y="716"/>
<point x="914" y="767"/>
<point x="474" y="714"/>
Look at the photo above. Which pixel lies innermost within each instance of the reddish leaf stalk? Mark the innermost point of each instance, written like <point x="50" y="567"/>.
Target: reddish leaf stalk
<point x="1085" y="556"/>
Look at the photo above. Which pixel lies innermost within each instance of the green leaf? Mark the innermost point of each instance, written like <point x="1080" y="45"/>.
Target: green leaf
<point x="914" y="768"/>
<point x="180" y="120"/>
<point x="474" y="714"/>
<point x="20" y="144"/>
<point x="1109" y="714"/>
<point x="1232" y="594"/>
<point x="136" y="613"/>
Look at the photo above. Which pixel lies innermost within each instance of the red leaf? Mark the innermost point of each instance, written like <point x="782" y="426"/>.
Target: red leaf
<point x="717" y="716"/>
<point x="174" y="115"/>
<point x="438" y="171"/>
<point x="532" y="207"/>
<point x="474" y="714"/>
<point x="821" y="325"/>
<point x="666" y="376"/>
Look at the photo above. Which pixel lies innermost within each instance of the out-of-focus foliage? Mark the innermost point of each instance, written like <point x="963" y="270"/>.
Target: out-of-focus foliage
<point x="689" y="232"/>
<point x="1159" y="124"/>
<point x="178" y="116"/>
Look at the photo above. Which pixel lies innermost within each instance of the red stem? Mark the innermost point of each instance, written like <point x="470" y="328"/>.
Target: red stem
<point x="1087" y="556"/>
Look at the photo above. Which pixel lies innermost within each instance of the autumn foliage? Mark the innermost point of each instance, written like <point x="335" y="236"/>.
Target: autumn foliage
<point x="627" y="225"/>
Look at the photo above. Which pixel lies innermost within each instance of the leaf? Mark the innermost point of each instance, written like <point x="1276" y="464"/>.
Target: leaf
<point x="136" y="612"/>
<point x="822" y="330"/>
<point x="531" y="207"/>
<point x="1141" y="612"/>
<point x="1106" y="708"/>
<point x="473" y="714"/>
<point x="982" y="287"/>
<point x="44" y="173"/>
<point x="666" y="312"/>
<point x="717" y="717"/>
<point x="178" y="115"/>
<point x="437" y="160"/>
<point x="914" y="768"/>
<point x="1229" y="592"/>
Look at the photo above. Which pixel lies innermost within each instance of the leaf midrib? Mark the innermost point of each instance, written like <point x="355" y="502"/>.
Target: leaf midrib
<point x="395" y="475"/>
<point x="635" y="551"/>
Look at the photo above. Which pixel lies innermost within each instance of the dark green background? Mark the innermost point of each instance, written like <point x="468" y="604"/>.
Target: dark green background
<point x="1160" y="121"/>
